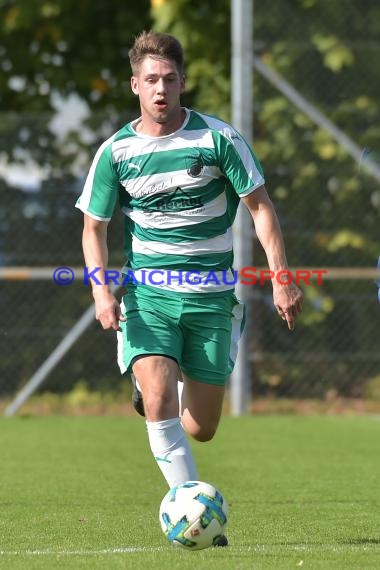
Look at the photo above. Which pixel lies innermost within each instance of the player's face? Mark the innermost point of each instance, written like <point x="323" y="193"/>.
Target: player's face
<point x="159" y="86"/>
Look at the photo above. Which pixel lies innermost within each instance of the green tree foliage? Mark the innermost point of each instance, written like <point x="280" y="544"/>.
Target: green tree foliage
<point x="63" y="47"/>
<point x="73" y="46"/>
<point x="204" y="31"/>
<point x="328" y="51"/>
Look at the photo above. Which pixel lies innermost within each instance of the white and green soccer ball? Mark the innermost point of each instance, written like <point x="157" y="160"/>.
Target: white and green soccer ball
<point x="193" y="515"/>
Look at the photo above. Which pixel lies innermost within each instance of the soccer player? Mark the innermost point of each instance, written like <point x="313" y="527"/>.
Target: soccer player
<point x="179" y="176"/>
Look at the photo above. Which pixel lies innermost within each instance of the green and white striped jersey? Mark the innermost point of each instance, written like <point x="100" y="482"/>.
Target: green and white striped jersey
<point x="179" y="194"/>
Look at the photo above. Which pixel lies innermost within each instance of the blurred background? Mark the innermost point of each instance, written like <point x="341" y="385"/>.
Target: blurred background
<point x="64" y="88"/>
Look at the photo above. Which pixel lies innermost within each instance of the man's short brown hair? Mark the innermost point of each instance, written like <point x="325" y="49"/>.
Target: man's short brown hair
<point x="157" y="45"/>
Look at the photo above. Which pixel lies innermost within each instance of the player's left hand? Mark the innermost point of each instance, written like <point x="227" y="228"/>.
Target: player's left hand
<point x="288" y="300"/>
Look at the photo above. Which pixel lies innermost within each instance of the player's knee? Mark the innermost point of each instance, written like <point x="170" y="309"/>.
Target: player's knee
<point x="203" y="433"/>
<point x="160" y="405"/>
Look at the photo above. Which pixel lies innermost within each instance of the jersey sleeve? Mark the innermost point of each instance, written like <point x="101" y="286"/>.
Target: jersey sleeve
<point x="101" y="189"/>
<point x="238" y="162"/>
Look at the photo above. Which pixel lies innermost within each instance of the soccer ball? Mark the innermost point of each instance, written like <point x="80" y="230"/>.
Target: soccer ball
<point x="193" y="515"/>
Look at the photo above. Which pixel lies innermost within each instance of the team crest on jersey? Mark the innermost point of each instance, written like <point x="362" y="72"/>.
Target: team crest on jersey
<point x="195" y="166"/>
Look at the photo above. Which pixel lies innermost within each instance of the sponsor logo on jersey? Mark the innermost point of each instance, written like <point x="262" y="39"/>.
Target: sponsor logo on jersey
<point x="179" y="200"/>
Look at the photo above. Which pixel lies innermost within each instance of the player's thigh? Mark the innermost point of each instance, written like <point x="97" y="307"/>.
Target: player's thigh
<point x="202" y="406"/>
<point x="150" y="329"/>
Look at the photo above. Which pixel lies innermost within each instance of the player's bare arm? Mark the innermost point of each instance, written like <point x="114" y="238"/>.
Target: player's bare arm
<point x="287" y="299"/>
<point x="95" y="250"/>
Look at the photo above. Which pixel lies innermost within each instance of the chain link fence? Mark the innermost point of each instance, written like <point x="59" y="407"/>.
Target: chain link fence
<point x="327" y="203"/>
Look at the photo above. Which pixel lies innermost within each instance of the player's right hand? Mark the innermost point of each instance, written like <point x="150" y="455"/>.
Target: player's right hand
<point x="108" y="311"/>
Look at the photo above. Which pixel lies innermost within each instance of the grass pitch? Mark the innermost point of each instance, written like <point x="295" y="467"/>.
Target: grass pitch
<point x="84" y="493"/>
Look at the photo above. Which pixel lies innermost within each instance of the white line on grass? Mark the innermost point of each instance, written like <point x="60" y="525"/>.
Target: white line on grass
<point x="259" y="548"/>
<point x="121" y="550"/>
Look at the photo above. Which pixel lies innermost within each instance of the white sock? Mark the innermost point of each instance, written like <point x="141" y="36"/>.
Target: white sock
<point x="180" y="390"/>
<point x="172" y="451"/>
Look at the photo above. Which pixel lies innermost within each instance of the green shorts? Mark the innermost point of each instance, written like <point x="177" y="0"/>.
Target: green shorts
<point x="200" y="333"/>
